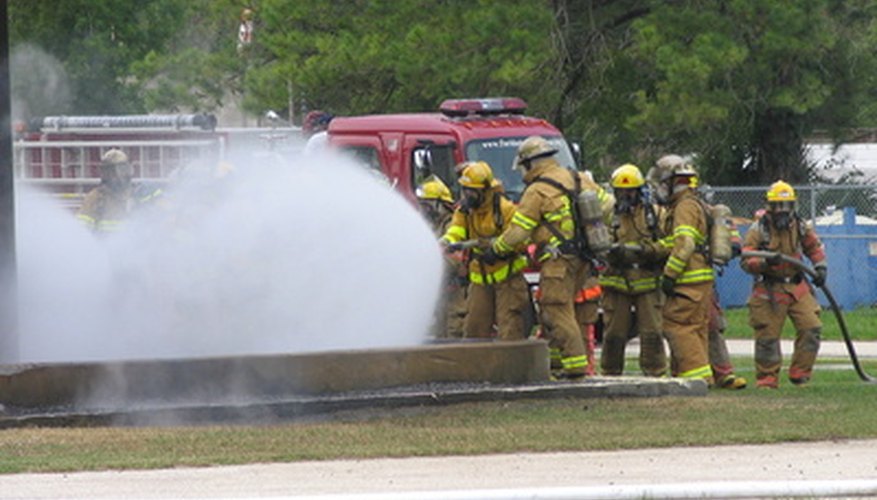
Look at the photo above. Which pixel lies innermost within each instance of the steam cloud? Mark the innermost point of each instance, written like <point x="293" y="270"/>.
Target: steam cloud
<point x="277" y="257"/>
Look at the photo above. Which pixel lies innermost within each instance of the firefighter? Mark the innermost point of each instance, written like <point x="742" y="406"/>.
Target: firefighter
<point x="630" y="283"/>
<point x="497" y="293"/>
<point x="780" y="289"/>
<point x="587" y="307"/>
<point x="106" y="207"/>
<point x="720" y="359"/>
<point x="545" y="215"/>
<point x="315" y="122"/>
<point x="687" y="276"/>
<point x="437" y="205"/>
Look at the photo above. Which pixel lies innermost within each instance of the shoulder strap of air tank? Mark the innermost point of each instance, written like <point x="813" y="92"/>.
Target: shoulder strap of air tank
<point x="554" y="183"/>
<point x="497" y="212"/>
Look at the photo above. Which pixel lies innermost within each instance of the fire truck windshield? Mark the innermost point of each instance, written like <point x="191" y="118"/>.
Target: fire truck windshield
<point x="500" y="152"/>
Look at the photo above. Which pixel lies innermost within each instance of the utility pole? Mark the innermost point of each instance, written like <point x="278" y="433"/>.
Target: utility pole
<point x="8" y="271"/>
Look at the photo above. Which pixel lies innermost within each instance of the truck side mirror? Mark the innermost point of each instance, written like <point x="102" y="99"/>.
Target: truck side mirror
<point x="422" y="162"/>
<point x="576" y="148"/>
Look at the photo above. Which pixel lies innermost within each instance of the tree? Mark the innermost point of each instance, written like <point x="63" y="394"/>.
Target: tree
<point x="382" y="56"/>
<point x="596" y="77"/>
<point x="96" y="42"/>
<point x="742" y="83"/>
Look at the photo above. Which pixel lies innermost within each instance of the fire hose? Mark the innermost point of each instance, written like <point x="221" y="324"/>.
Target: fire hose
<point x="834" y="305"/>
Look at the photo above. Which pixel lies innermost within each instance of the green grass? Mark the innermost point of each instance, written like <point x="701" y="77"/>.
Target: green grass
<point x="861" y="323"/>
<point x="835" y="406"/>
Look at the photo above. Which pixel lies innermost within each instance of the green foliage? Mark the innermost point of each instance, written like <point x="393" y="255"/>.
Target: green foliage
<point x="97" y="41"/>
<point x="367" y="57"/>
<point x="739" y="83"/>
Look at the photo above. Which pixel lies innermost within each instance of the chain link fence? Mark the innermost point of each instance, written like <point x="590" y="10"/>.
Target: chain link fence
<point x="845" y="218"/>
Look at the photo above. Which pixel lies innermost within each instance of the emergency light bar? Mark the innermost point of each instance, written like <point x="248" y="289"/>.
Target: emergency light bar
<point x="485" y="106"/>
<point x="174" y="122"/>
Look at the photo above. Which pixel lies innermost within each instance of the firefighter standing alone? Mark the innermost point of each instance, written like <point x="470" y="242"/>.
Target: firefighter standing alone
<point x="545" y="213"/>
<point x="497" y="293"/>
<point x="687" y="277"/>
<point x="630" y="283"/>
<point x="105" y="207"/>
<point x="780" y="289"/>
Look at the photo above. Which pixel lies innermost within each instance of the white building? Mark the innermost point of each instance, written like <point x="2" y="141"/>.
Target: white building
<point x="854" y="157"/>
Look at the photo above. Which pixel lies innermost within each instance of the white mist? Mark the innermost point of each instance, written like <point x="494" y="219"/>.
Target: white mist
<point x="280" y="256"/>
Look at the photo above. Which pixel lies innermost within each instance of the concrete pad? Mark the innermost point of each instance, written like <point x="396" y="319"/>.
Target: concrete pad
<point x="267" y="389"/>
<point x="215" y="380"/>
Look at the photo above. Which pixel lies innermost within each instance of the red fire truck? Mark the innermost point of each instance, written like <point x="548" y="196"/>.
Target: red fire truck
<point x="61" y="154"/>
<point x="408" y="147"/>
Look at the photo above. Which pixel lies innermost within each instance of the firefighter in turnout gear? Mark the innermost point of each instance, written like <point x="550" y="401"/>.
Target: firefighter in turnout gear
<point x="545" y="215"/>
<point x="630" y="283"/>
<point x="780" y="289"/>
<point x="105" y="207"/>
<point x="437" y="206"/>
<point x="687" y="276"/>
<point x="587" y="306"/>
<point x="497" y="293"/>
<point x="720" y="359"/>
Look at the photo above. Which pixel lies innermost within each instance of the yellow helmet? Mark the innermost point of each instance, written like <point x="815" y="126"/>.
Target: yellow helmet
<point x="627" y="176"/>
<point x="434" y="189"/>
<point x="533" y="147"/>
<point x="781" y="191"/>
<point x="477" y="175"/>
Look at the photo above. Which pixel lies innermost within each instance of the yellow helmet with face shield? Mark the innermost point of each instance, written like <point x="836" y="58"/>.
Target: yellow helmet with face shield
<point x="781" y="191"/>
<point x="627" y="176"/>
<point x="781" y="197"/>
<point x="434" y="189"/>
<point x="533" y="148"/>
<point x="477" y="175"/>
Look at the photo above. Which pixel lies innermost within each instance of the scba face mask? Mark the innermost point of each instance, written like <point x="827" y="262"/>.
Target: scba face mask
<point x="626" y="200"/>
<point x="782" y="213"/>
<point x="472" y="199"/>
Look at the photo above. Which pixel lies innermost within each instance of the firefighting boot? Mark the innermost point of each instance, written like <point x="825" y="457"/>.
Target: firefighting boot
<point x="767" y="382"/>
<point x="806" y="347"/>
<point x="732" y="381"/>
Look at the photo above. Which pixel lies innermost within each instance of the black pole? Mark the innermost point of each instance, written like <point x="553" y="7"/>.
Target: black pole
<point x="8" y="315"/>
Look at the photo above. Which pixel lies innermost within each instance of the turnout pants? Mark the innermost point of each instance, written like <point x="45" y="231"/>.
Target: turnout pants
<point x="767" y="318"/>
<point x="686" y="321"/>
<point x="502" y="304"/>
<point x="619" y="316"/>
<point x="560" y="280"/>
<point x="720" y="359"/>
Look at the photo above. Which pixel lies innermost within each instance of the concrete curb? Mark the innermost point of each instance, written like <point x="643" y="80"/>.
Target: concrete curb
<point x="328" y="407"/>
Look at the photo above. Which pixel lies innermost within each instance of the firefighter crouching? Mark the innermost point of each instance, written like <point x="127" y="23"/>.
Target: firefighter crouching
<point x="436" y="203"/>
<point x="780" y="289"/>
<point x="497" y="291"/>
<point x="687" y="277"/>
<point x="545" y="213"/>
<point x="105" y="207"/>
<point x="630" y="283"/>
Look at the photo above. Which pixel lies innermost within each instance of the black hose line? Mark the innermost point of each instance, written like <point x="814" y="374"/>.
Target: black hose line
<point x="834" y="305"/>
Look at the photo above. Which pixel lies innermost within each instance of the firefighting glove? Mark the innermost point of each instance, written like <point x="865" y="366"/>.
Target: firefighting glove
<point x="821" y="275"/>
<point x="773" y="260"/>
<point x="667" y="284"/>
<point x="453" y="247"/>
<point x="736" y="250"/>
